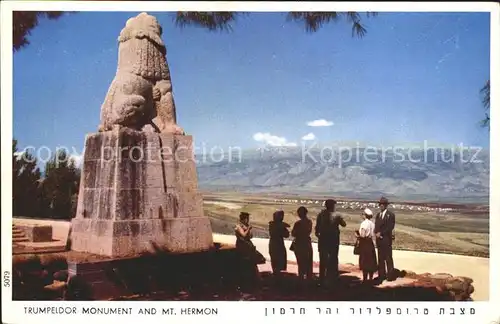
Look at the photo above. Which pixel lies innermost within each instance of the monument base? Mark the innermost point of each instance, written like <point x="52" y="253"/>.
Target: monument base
<point x="132" y="237"/>
<point x="139" y="189"/>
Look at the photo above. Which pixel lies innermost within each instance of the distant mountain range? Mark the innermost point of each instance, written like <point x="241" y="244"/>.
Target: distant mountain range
<point x="432" y="175"/>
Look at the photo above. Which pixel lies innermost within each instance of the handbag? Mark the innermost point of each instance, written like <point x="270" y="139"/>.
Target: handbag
<point x="356" y="247"/>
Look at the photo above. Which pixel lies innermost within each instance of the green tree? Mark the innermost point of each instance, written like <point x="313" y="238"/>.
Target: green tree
<point x="485" y="92"/>
<point x="25" y="181"/>
<point x="25" y="21"/>
<point x="59" y="186"/>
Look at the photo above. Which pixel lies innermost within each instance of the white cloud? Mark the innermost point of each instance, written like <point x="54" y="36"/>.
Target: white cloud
<point x="78" y="158"/>
<point x="320" y="123"/>
<point x="309" y="137"/>
<point x="272" y="140"/>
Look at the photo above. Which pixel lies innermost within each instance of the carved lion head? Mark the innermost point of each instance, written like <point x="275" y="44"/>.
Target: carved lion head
<point x="142" y="26"/>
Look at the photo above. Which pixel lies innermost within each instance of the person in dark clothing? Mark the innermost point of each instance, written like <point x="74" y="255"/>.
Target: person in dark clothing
<point x="328" y="233"/>
<point x="243" y="232"/>
<point x="384" y="225"/>
<point x="278" y="231"/>
<point x="301" y="245"/>
<point x="244" y="245"/>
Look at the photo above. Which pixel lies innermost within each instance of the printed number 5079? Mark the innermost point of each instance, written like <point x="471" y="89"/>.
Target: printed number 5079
<point x="6" y="278"/>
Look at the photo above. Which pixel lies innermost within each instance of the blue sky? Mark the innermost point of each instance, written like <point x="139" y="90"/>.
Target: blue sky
<point x="413" y="77"/>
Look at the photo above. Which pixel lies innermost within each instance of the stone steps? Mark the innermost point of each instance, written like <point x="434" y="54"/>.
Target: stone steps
<point x="28" y="249"/>
<point x="18" y="235"/>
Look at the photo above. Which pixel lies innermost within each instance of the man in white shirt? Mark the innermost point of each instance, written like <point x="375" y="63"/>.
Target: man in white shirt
<point x="384" y="225"/>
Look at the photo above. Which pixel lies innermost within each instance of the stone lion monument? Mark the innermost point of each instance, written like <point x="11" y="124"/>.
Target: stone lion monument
<point x="140" y="96"/>
<point x="138" y="184"/>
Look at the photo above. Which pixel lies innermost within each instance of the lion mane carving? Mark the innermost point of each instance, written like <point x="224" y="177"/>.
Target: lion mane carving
<point x="140" y="95"/>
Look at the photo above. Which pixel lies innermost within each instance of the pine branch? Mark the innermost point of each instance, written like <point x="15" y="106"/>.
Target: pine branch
<point x="213" y="21"/>
<point x="25" y="21"/>
<point x="485" y="91"/>
<point x="313" y="21"/>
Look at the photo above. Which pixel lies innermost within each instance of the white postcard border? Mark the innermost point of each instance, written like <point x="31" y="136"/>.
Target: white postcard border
<point x="13" y="311"/>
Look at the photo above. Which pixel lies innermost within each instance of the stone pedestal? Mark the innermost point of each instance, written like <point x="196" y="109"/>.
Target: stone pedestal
<point x="138" y="189"/>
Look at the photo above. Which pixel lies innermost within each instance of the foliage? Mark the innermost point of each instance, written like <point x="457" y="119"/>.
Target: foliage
<point x="313" y="21"/>
<point x="25" y="21"/>
<point x="25" y="180"/>
<point x="485" y="92"/>
<point x="52" y="196"/>
<point x="60" y="186"/>
<point x="213" y="21"/>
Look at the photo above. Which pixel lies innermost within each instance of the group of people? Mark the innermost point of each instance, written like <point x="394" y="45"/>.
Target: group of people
<point x="372" y="235"/>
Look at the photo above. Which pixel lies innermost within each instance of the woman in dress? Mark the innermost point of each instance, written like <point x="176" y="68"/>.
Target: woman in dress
<point x="243" y="232"/>
<point x="302" y="245"/>
<point x="278" y="231"/>
<point x="250" y="256"/>
<point x="366" y="238"/>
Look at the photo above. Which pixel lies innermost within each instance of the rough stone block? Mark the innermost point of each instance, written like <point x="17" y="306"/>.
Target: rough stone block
<point x="186" y="173"/>
<point x="130" y="174"/>
<point x="106" y="174"/>
<point x="172" y="207"/>
<point x="37" y="233"/>
<point x="90" y="203"/>
<point x="93" y="148"/>
<point x="131" y="144"/>
<point x="127" y="204"/>
<point x="199" y="233"/>
<point x="159" y="175"/>
<point x="178" y="230"/>
<point x="89" y="173"/>
<point x="79" y="204"/>
<point x="128" y="238"/>
<point x="183" y="149"/>
<point x="166" y="151"/>
<point x="106" y="203"/>
<point x="153" y="201"/>
<point x="154" y="175"/>
<point x="190" y="204"/>
<point x="152" y="150"/>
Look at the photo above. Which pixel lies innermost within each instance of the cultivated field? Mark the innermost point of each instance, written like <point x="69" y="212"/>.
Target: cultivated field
<point x="464" y="232"/>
